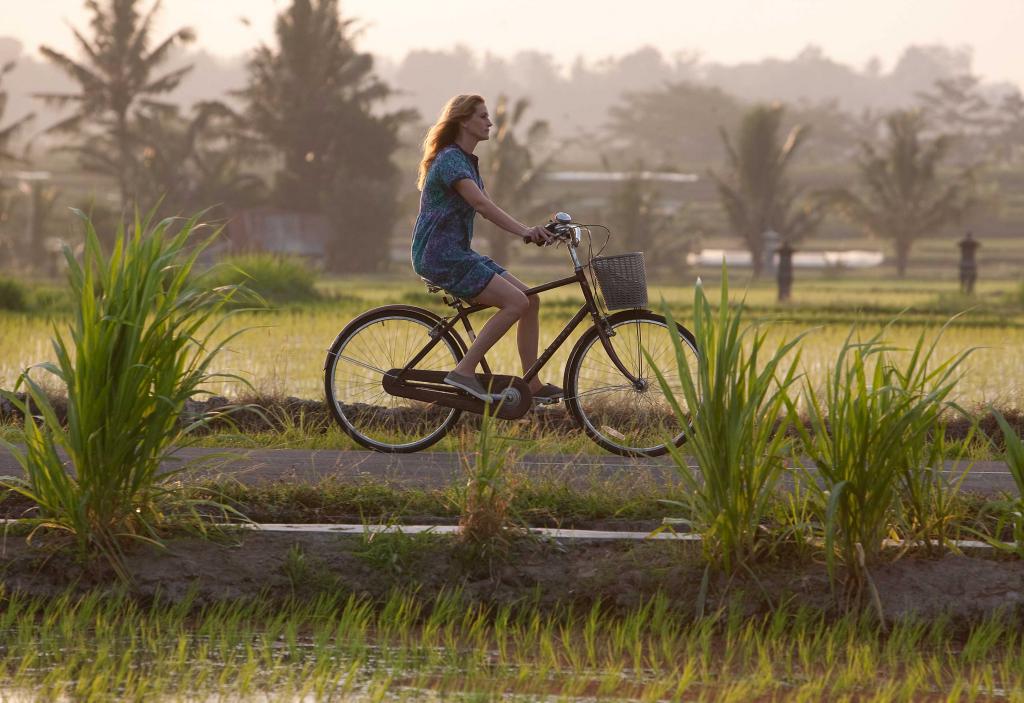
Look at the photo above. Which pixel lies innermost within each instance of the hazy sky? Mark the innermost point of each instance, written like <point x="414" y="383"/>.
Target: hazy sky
<point x="728" y="31"/>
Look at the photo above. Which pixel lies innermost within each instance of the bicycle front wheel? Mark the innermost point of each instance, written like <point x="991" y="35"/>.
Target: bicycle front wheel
<point x="372" y="344"/>
<point x="623" y="417"/>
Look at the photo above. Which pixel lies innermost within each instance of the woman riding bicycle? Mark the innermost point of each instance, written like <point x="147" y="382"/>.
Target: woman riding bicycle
<point x="452" y="194"/>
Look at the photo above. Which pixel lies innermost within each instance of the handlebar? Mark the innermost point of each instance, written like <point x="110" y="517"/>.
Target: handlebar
<point x="562" y="226"/>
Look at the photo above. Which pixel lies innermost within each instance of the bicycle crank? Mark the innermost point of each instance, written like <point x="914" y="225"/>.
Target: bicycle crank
<point x="429" y="386"/>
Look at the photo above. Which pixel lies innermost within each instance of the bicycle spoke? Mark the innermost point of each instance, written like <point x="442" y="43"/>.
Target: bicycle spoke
<point x="619" y="415"/>
<point x="367" y="412"/>
<point x="362" y="364"/>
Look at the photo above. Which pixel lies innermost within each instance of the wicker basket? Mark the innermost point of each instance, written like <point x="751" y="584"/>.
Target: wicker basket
<point x="623" y="280"/>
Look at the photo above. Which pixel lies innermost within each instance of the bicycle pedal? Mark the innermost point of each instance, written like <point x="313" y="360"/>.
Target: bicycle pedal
<point x="547" y="401"/>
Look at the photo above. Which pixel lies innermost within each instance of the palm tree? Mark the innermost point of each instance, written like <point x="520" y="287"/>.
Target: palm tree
<point x="510" y="174"/>
<point x="903" y="196"/>
<point x="197" y="163"/>
<point x="116" y="79"/>
<point x="10" y="131"/>
<point x="756" y="195"/>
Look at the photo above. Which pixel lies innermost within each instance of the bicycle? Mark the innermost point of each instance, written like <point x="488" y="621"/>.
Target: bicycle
<point x="383" y="376"/>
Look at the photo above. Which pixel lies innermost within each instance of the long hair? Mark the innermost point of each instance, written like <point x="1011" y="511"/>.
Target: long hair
<point x="445" y="130"/>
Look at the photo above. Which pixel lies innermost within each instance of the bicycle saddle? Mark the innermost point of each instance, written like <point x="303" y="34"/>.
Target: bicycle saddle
<point x="431" y="286"/>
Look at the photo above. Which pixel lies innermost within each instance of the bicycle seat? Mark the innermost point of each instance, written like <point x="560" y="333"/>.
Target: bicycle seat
<point x="431" y="286"/>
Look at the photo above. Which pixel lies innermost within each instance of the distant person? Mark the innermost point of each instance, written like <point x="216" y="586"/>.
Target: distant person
<point x="968" y="265"/>
<point x="452" y="194"/>
<point x="784" y="271"/>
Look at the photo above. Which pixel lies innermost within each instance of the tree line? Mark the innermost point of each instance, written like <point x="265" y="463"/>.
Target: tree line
<point x="307" y="111"/>
<point x="314" y="129"/>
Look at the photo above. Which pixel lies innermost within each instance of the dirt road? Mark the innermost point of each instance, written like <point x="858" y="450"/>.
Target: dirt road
<point x="435" y="469"/>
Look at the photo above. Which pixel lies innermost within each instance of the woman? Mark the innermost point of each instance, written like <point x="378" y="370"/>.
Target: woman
<point x="452" y="194"/>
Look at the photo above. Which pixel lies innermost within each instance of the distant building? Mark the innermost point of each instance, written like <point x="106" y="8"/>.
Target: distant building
<point x="591" y="189"/>
<point x="279" y="232"/>
<point x="590" y="177"/>
<point x="849" y="259"/>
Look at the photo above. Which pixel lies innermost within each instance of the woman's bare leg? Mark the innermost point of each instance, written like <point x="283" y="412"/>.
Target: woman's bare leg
<point x="528" y="331"/>
<point x="511" y="304"/>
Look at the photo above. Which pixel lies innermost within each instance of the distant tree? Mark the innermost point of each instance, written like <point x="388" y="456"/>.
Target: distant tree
<point x="7" y="135"/>
<point x="1011" y="136"/>
<point x="755" y="193"/>
<point x="116" y="79"/>
<point x="312" y="99"/>
<point x="634" y="214"/>
<point x="836" y="134"/>
<point x="902" y="195"/>
<point x="42" y="201"/>
<point x="675" y="125"/>
<point x="197" y="163"/>
<point x="958" y="106"/>
<point x="510" y="172"/>
<point x="9" y="132"/>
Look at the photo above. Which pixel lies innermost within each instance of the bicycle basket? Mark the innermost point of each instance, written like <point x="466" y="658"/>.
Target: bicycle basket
<point x="623" y="280"/>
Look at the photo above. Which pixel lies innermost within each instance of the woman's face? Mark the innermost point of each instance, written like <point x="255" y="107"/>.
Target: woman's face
<point x="479" y="125"/>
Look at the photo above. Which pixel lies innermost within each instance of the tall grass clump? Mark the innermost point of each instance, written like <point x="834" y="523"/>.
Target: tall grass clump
<point x="1011" y="519"/>
<point x="865" y="434"/>
<point x="735" y="436"/>
<point x="13" y="295"/>
<point x="140" y="343"/>
<point x="486" y="523"/>
<point x="277" y="279"/>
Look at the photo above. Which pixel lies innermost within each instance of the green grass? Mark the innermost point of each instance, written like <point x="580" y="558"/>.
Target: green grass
<point x="285" y="356"/>
<point x="13" y="294"/>
<point x="139" y="346"/>
<point x="97" y="647"/>
<point x="736" y="394"/>
<point x="537" y="498"/>
<point x="276" y="279"/>
<point x="567" y="497"/>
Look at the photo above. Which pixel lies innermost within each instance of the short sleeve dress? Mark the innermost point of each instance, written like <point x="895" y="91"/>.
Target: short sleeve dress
<point x="443" y="233"/>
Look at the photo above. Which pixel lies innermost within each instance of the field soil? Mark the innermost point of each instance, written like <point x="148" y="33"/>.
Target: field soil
<point x="246" y="564"/>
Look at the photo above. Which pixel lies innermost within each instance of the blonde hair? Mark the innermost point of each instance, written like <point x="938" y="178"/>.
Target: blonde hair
<point x="445" y="130"/>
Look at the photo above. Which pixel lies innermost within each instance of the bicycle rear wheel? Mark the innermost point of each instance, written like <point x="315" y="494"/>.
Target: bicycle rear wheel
<point x="628" y="419"/>
<point x="373" y="343"/>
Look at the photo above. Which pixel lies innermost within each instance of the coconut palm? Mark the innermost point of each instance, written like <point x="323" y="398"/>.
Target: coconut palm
<point x="755" y="194"/>
<point x="10" y="131"/>
<point x="510" y="174"/>
<point x="903" y="196"/>
<point x="116" y="77"/>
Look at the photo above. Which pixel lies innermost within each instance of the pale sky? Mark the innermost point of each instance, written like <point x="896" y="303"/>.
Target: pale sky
<point x="726" y="31"/>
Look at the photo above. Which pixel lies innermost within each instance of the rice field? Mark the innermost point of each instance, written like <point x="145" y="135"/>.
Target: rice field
<point x="283" y="351"/>
<point x="101" y="647"/>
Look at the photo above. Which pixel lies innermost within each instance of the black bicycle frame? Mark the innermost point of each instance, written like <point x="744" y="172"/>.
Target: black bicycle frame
<point x="590" y="305"/>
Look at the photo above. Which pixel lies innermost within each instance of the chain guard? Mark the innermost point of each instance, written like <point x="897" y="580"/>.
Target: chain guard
<point x="429" y="387"/>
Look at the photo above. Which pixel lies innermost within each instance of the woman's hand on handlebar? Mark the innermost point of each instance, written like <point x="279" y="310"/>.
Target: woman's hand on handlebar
<point x="539" y="236"/>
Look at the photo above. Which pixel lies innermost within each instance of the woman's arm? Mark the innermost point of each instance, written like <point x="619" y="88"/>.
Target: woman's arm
<point x="479" y="201"/>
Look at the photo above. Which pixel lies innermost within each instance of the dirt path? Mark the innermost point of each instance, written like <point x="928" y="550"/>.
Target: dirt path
<point x="436" y="469"/>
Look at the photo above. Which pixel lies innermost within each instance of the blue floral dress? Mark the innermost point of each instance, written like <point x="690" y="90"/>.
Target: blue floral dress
<point x="444" y="228"/>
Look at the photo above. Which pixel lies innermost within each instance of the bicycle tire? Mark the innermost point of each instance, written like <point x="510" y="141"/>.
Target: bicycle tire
<point x="388" y="337"/>
<point x="616" y="415"/>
